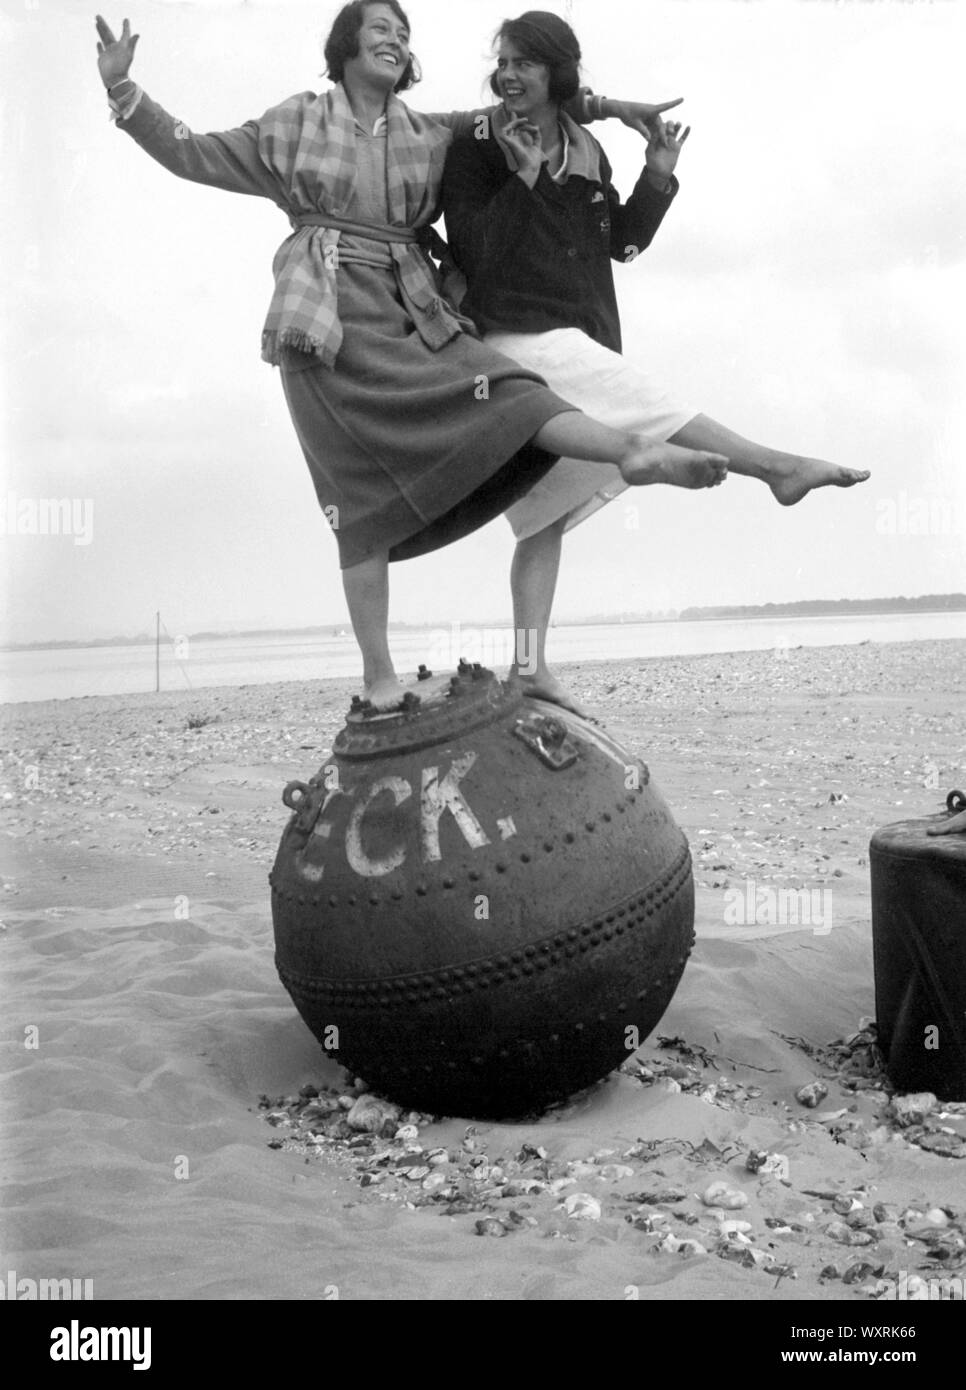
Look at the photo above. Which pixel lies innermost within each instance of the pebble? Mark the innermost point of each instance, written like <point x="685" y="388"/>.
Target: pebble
<point x="722" y="1194"/>
<point x="812" y="1095"/>
<point x="844" y="1204"/>
<point x="490" y="1226"/>
<point x="406" y="1132"/>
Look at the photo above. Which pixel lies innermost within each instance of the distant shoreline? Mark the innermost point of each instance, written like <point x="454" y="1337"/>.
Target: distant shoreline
<point x="805" y="608"/>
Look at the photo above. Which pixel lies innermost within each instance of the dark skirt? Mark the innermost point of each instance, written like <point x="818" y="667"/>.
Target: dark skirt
<point x="410" y="449"/>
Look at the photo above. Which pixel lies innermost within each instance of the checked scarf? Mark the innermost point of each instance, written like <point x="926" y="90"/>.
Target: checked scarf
<point x="310" y="146"/>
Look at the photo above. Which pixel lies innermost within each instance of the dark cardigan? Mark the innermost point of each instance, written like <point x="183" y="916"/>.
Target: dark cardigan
<point x="540" y="259"/>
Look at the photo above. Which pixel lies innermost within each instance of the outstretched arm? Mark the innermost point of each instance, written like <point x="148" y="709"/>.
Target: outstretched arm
<point x="230" y="160"/>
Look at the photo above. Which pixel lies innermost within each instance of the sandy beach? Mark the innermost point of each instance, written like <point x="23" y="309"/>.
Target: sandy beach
<point x="156" y="1141"/>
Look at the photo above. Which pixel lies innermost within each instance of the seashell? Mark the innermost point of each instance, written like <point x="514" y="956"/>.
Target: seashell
<point x="580" y="1168"/>
<point x="406" y="1133"/>
<point x="722" y="1194"/>
<point x="614" y="1172"/>
<point x="436" y="1157"/>
<point x="913" y="1109"/>
<point x="368" y="1114"/>
<point x="521" y="1187"/>
<point x="812" y="1095"/>
<point x="647" y="1221"/>
<point x="673" y="1246"/>
<point x="434" y="1181"/>
<point x="528" y="1151"/>
<point x="860" y="1220"/>
<point x="728" y="1226"/>
<point x="558" y="1185"/>
<point x="582" y="1207"/>
<point x="844" y="1204"/>
<point x="838" y="1231"/>
<point x="828" y="1272"/>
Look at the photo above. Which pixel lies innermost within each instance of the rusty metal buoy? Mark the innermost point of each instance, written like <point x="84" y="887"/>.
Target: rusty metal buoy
<point x="481" y="902"/>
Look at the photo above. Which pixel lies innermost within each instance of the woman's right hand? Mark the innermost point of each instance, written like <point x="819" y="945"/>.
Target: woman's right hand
<point x="114" y="56"/>
<point x="523" y="138"/>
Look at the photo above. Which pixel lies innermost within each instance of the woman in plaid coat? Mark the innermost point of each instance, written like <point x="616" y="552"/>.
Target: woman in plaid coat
<point x="415" y="433"/>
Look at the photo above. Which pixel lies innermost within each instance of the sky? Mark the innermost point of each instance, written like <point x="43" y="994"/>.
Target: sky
<point x="806" y="289"/>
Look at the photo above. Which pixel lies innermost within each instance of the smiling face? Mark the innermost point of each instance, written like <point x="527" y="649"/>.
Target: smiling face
<point x="383" y="49"/>
<point x="524" y="84"/>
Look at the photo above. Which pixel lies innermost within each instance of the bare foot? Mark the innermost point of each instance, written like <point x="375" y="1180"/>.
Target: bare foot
<point x="646" y="463"/>
<point x="798" y="476"/>
<point x="386" y="693"/>
<point x="543" y="685"/>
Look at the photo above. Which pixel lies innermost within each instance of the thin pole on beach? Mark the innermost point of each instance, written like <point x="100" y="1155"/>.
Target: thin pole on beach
<point x="157" y="651"/>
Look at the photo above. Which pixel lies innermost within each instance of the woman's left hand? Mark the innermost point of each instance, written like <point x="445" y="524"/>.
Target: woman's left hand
<point x="664" y="146"/>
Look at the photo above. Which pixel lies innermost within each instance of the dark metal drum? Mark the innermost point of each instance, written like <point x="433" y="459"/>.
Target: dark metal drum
<point x="482" y="902"/>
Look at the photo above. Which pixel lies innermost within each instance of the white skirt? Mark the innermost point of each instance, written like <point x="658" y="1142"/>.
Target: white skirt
<point x="602" y="384"/>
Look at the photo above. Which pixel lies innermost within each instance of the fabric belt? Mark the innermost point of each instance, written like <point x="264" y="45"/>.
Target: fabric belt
<point x="375" y="231"/>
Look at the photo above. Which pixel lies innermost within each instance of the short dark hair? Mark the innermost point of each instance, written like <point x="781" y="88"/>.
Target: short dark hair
<point x="545" y="38"/>
<point x="343" y="41"/>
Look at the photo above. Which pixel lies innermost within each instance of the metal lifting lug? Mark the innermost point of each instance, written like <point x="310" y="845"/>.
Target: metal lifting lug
<point x="548" y="739"/>
<point x="305" y="799"/>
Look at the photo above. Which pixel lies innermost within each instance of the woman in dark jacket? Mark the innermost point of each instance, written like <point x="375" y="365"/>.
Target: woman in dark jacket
<point x="534" y="223"/>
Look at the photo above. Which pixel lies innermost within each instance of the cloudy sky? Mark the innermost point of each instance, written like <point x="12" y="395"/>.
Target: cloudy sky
<point x="806" y="289"/>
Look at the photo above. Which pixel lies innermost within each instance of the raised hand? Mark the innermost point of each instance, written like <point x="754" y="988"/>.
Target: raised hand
<point x="663" y="147"/>
<point x="645" y="117"/>
<point x="114" y="56"/>
<point x="523" y="138"/>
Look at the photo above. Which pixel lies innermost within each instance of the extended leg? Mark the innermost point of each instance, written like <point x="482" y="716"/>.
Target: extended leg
<point x="641" y="463"/>
<point x="790" y="476"/>
<point x="367" y="594"/>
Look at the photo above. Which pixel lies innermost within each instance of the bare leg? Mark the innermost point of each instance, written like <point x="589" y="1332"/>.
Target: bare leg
<point x="533" y="580"/>
<point x="790" y="476"/>
<point x="367" y="594"/>
<point x="575" y="435"/>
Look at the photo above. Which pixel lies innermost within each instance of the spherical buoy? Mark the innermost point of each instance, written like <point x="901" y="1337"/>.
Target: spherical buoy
<point x="481" y="902"/>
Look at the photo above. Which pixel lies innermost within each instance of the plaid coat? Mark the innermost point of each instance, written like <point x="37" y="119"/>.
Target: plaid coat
<point x="301" y="155"/>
